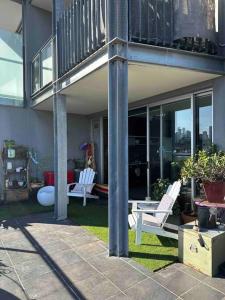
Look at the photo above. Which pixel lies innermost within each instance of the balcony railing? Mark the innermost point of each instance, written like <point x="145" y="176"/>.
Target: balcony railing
<point x="42" y="67"/>
<point x="81" y="31"/>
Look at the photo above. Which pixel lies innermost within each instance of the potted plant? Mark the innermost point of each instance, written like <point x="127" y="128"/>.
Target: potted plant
<point x="207" y="168"/>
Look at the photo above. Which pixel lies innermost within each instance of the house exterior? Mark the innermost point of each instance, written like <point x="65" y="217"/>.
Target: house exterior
<point x="144" y="80"/>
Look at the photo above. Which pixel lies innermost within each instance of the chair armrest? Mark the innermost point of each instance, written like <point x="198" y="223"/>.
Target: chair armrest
<point x="68" y="185"/>
<point x="153" y="211"/>
<point x="143" y="201"/>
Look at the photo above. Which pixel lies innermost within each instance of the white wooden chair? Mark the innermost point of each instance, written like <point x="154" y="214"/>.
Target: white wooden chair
<point x="151" y="216"/>
<point x="84" y="187"/>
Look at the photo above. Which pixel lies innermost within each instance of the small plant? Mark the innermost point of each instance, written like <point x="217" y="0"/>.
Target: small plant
<point x="159" y="189"/>
<point x="205" y="167"/>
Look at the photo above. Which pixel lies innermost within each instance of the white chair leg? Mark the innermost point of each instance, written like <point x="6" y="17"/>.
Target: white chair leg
<point x="138" y="230"/>
<point x="85" y="198"/>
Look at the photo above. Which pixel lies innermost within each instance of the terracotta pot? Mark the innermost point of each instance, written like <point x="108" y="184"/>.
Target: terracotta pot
<point x="214" y="191"/>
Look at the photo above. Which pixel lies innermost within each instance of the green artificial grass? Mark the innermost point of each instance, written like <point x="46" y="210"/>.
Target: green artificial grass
<point x="154" y="253"/>
<point x="22" y="208"/>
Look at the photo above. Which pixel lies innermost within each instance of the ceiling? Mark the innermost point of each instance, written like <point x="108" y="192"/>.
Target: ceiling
<point x="89" y="95"/>
<point x="46" y="4"/>
<point x="10" y="15"/>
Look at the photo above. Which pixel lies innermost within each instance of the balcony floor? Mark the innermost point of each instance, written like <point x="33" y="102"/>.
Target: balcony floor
<point x="44" y="259"/>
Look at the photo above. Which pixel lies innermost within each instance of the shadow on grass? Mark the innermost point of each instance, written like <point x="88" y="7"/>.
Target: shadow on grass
<point x="165" y="257"/>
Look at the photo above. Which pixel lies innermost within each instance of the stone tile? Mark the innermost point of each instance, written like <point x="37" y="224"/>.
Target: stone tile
<point x="10" y="286"/>
<point x="148" y="289"/>
<point x="97" y="287"/>
<point x="42" y="286"/>
<point x="90" y="249"/>
<point x="192" y="272"/>
<point x="119" y="296"/>
<point x="66" y="257"/>
<point x="216" y="282"/>
<point x="78" y="271"/>
<point x="23" y="244"/>
<point x="81" y="239"/>
<point x="139" y="267"/>
<point x="12" y="235"/>
<point x="202" y="291"/>
<point x="104" y="263"/>
<point x="124" y="276"/>
<point x="175" y="280"/>
<point x="18" y="257"/>
<point x="61" y="294"/>
<point x="32" y="269"/>
<point x="54" y="247"/>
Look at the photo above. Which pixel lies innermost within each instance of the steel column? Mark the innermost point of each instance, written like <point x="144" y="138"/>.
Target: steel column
<point x="60" y="125"/>
<point x="117" y="35"/>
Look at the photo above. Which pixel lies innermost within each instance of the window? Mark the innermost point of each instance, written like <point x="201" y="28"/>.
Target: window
<point x="203" y="121"/>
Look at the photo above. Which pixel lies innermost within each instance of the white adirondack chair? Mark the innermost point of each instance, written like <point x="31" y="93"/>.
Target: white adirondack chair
<point x="151" y="216"/>
<point x="84" y="187"/>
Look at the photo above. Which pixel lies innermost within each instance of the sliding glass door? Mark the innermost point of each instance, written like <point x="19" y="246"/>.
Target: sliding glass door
<point x="176" y="131"/>
<point x="176" y="137"/>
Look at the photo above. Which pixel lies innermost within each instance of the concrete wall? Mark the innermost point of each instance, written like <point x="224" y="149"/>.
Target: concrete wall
<point x="35" y="130"/>
<point x="37" y="29"/>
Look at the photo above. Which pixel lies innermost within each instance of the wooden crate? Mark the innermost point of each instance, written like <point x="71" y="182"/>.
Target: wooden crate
<point x="205" y="259"/>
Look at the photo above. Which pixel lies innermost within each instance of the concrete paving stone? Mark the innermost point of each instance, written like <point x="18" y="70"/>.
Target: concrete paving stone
<point x="65" y="257"/>
<point x="19" y="256"/>
<point x="42" y="286"/>
<point x="32" y="269"/>
<point x="124" y="276"/>
<point x="90" y="249"/>
<point x="103" y="262"/>
<point x="140" y="268"/>
<point x="147" y="290"/>
<point x="12" y="235"/>
<point x="175" y="280"/>
<point x="10" y="285"/>
<point x="78" y="271"/>
<point x="218" y="282"/>
<point x="202" y="291"/>
<point x="81" y="239"/>
<point x="54" y="247"/>
<point x="61" y="294"/>
<point x="194" y="273"/>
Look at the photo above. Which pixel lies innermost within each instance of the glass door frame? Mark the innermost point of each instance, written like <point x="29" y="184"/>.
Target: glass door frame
<point x="160" y="104"/>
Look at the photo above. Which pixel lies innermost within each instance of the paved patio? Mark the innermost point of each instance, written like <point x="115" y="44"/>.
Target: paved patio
<point x="44" y="259"/>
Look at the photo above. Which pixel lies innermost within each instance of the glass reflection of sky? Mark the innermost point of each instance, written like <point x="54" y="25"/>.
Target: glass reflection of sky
<point x="205" y="118"/>
<point x="183" y="119"/>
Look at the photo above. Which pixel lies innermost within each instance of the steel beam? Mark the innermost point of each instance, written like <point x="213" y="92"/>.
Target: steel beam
<point x="60" y="125"/>
<point x="117" y="36"/>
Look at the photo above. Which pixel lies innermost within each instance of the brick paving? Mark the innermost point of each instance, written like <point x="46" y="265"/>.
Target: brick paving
<point x="44" y="259"/>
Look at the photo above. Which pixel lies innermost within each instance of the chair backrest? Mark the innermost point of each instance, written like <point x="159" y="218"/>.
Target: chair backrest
<point x="167" y="202"/>
<point x="87" y="176"/>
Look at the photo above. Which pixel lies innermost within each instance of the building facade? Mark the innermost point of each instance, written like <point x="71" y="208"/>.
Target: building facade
<point x="144" y="80"/>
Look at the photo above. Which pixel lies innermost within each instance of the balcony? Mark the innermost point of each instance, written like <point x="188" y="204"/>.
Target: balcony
<point x="41" y="68"/>
<point x="191" y="26"/>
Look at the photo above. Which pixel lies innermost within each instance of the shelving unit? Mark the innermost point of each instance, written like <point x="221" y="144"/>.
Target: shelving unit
<point x="16" y="183"/>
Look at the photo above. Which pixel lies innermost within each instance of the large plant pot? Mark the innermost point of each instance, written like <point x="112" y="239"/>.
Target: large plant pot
<point x="214" y="191"/>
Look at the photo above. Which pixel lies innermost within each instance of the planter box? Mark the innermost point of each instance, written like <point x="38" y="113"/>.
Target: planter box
<point x="206" y="259"/>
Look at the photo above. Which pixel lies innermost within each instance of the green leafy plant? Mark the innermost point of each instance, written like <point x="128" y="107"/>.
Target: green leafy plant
<point x="205" y="166"/>
<point x="159" y="189"/>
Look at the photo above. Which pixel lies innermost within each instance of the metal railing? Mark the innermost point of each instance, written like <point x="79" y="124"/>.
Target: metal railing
<point x="42" y="68"/>
<point x="81" y="31"/>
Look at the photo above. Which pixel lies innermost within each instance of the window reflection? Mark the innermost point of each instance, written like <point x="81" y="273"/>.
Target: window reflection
<point x="203" y="122"/>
